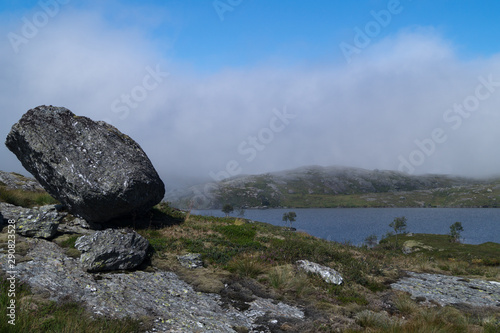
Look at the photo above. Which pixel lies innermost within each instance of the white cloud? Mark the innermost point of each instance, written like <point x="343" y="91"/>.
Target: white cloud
<point x="365" y="114"/>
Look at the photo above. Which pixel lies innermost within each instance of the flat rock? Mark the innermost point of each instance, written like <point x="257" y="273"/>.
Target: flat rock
<point x="328" y="274"/>
<point x="91" y="167"/>
<point x="449" y="290"/>
<point x="40" y="222"/>
<point x="12" y="212"/>
<point x="411" y="246"/>
<point x="112" y="249"/>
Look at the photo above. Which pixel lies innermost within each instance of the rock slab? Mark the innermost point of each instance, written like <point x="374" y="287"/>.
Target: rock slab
<point x="328" y="274"/>
<point x="91" y="167"/>
<point x="112" y="249"/>
<point x="173" y="303"/>
<point x="449" y="290"/>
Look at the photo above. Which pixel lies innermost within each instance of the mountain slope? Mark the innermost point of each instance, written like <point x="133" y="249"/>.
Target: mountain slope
<point x="316" y="186"/>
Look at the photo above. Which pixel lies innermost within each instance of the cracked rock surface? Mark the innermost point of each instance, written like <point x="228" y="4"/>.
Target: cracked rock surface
<point x="112" y="249"/>
<point x="449" y="290"/>
<point x="173" y="303"/>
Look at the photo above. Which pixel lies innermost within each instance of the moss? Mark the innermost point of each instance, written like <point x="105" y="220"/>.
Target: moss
<point x="73" y="253"/>
<point x="66" y="241"/>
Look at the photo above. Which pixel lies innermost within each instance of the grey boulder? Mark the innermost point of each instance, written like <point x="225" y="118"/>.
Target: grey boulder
<point x="41" y="222"/>
<point x="190" y="260"/>
<point x="112" y="249"/>
<point x="328" y="274"/>
<point x="91" y="167"/>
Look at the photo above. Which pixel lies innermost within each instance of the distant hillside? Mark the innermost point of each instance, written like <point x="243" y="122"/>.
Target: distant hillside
<point x="316" y="186"/>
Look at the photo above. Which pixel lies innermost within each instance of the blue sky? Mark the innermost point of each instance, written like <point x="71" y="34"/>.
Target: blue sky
<point x="227" y="71"/>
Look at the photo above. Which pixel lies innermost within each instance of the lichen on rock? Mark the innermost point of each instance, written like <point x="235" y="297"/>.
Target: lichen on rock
<point x="112" y="249"/>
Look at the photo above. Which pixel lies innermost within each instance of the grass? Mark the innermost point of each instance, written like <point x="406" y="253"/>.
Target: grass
<point x="442" y="256"/>
<point x="236" y="250"/>
<point x="26" y="199"/>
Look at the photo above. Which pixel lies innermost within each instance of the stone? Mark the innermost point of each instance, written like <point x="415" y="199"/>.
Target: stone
<point x="328" y="274"/>
<point x="112" y="249"/>
<point x="15" y="181"/>
<point x="91" y="167"/>
<point x="411" y="246"/>
<point x="2" y="220"/>
<point x="190" y="260"/>
<point x="41" y="222"/>
<point x="449" y="290"/>
<point x="172" y="304"/>
<point x="11" y="212"/>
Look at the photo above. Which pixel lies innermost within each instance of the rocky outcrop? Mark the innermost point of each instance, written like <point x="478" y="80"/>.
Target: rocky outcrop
<point x="91" y="167"/>
<point x="12" y="212"/>
<point x="412" y="246"/>
<point x="41" y="222"/>
<point x="112" y="249"/>
<point x="449" y="290"/>
<point x="172" y="303"/>
<point x="278" y="188"/>
<point x="15" y="181"/>
<point x="328" y="274"/>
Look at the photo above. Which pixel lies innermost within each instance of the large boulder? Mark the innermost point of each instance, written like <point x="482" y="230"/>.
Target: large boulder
<point x="91" y="167"/>
<point x="112" y="249"/>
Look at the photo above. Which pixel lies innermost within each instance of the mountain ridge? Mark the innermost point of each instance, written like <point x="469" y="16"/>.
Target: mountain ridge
<point x="339" y="186"/>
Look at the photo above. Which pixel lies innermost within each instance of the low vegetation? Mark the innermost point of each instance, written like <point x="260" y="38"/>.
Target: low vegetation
<point x="25" y="198"/>
<point x="237" y="250"/>
<point x="266" y="254"/>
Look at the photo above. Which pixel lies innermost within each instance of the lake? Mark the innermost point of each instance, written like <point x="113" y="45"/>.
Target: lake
<point x="355" y="224"/>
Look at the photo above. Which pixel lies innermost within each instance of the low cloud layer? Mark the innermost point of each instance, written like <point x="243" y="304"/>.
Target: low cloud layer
<point x="406" y="102"/>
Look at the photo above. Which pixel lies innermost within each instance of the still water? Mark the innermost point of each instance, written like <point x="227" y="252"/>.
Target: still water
<point x="355" y="224"/>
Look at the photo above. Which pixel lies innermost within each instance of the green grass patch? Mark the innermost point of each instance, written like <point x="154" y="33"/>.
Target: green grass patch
<point x="26" y="199"/>
<point x="238" y="234"/>
<point x="485" y="254"/>
<point x="70" y="242"/>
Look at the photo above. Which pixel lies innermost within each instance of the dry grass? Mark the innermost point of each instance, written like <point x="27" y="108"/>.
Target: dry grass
<point x="247" y="265"/>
